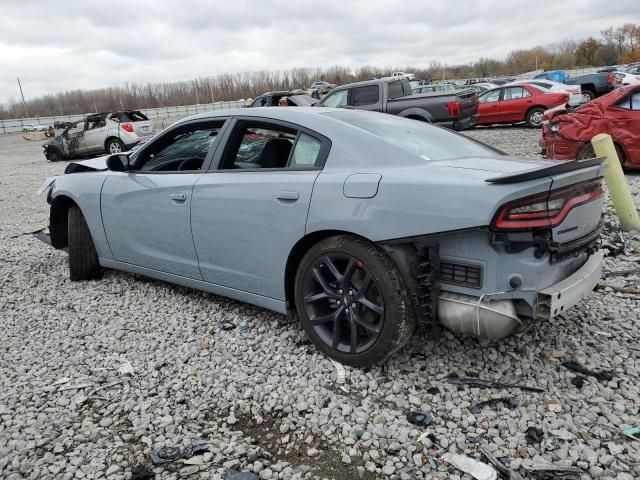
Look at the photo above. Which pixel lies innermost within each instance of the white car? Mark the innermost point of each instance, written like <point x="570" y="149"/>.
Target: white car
<point x="623" y="78"/>
<point x="30" y="127"/>
<point x="550" y="86"/>
<point x="410" y="76"/>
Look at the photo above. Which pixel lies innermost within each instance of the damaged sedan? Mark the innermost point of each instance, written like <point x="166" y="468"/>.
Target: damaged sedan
<point x="360" y="225"/>
<point x="567" y="132"/>
<point x="98" y="134"/>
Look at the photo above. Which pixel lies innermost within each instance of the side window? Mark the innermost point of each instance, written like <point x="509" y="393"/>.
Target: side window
<point x="492" y="96"/>
<point x="336" y="99"/>
<point x="258" y="146"/>
<point x="515" y="93"/>
<point x="395" y="90"/>
<point x="182" y="149"/>
<point x="368" y="95"/>
<point x="632" y="102"/>
<point x="306" y="152"/>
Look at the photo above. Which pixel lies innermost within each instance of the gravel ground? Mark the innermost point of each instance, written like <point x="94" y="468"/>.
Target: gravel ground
<point x="266" y="401"/>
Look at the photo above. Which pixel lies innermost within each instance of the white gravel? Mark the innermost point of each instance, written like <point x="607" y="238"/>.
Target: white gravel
<point x="266" y="401"/>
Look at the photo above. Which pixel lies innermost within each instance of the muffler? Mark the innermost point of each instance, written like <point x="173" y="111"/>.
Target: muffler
<point x="478" y="316"/>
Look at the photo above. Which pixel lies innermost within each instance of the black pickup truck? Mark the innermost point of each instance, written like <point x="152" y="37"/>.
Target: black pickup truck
<point x="457" y="109"/>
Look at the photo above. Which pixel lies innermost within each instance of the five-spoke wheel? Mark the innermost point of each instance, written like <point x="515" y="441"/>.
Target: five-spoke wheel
<point x="351" y="301"/>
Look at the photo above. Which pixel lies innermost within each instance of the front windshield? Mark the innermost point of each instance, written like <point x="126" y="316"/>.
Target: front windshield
<point x="419" y="138"/>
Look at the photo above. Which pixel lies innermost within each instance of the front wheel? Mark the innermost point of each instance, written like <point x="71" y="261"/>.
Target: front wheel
<point x="535" y="117"/>
<point x="114" y="146"/>
<point x="352" y="302"/>
<point x="53" y="155"/>
<point x="588" y="95"/>
<point x="83" y="258"/>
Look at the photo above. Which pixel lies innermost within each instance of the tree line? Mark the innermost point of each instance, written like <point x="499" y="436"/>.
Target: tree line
<point x="617" y="45"/>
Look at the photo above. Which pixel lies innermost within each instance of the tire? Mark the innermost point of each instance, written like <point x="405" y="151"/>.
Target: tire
<point x="588" y="95"/>
<point x="83" y="258"/>
<point x="587" y="152"/>
<point x="114" y="146"/>
<point x="535" y="117"/>
<point x="53" y="155"/>
<point x="382" y="320"/>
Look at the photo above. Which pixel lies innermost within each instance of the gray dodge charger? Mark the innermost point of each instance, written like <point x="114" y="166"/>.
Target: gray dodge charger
<point x="359" y="224"/>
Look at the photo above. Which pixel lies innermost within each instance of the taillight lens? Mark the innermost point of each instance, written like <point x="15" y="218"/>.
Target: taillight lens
<point x="546" y="210"/>
<point x="454" y="108"/>
<point x="127" y="127"/>
<point x="611" y="78"/>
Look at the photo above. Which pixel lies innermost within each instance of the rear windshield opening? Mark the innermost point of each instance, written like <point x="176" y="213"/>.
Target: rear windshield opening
<point x="418" y="138"/>
<point x="133" y="116"/>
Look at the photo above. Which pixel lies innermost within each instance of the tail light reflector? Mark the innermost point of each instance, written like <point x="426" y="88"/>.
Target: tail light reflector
<point x="127" y="127"/>
<point x="454" y="108"/>
<point x="611" y="78"/>
<point x="547" y="210"/>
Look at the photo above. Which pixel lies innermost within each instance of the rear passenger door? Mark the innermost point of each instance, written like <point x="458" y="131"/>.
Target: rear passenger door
<point x="249" y="212"/>
<point x="367" y="97"/>
<point x="489" y="106"/>
<point x="514" y="104"/>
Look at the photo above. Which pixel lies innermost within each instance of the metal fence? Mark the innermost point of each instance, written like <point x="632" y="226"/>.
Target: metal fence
<point x="157" y="115"/>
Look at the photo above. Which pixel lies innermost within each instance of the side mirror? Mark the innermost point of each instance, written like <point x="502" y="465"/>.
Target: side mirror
<point x="118" y="163"/>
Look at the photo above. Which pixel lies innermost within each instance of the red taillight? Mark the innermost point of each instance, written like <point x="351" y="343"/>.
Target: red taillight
<point x="611" y="78"/>
<point x="547" y="210"/>
<point x="127" y="127"/>
<point x="454" y="108"/>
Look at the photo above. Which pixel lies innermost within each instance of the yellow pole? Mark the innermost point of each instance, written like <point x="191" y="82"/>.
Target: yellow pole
<point x="617" y="183"/>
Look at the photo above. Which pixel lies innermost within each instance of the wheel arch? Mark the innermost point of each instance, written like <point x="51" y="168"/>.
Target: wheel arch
<point x="108" y="139"/>
<point x="415" y="113"/>
<point x="58" y="220"/>
<point x="297" y="253"/>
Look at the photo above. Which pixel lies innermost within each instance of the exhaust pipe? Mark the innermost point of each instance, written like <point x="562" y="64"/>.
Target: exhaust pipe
<point x="475" y="316"/>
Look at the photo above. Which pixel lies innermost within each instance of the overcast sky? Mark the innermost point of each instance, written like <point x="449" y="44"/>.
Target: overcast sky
<point x="54" y="46"/>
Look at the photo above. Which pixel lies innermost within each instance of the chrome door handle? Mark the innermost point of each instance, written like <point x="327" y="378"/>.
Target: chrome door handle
<point x="178" y="197"/>
<point x="287" y="195"/>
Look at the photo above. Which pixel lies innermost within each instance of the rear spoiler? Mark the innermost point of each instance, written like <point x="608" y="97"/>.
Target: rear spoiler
<point x="560" y="167"/>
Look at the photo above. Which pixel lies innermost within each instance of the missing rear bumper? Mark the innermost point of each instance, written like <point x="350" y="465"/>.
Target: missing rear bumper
<point x="554" y="300"/>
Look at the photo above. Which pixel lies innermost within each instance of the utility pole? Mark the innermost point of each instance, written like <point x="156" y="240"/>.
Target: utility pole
<point x="24" y="104"/>
<point x="211" y="90"/>
<point x="195" y="85"/>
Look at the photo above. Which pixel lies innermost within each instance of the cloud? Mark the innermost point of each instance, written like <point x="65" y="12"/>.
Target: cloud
<point x="56" y="46"/>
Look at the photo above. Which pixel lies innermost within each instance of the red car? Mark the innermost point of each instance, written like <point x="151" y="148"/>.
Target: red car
<point x="566" y="135"/>
<point x="518" y="103"/>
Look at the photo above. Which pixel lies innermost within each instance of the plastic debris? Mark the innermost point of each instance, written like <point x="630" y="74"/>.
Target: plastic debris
<point x="632" y="433"/>
<point x="578" y="381"/>
<point x="499" y="464"/>
<point x="483" y="383"/>
<point x="603" y="376"/>
<point x="534" y="435"/>
<point x="235" y="475"/>
<point x="553" y="406"/>
<point x="244" y="330"/>
<point x="433" y="390"/>
<point x="171" y="454"/>
<point x="510" y="403"/>
<point x="227" y="325"/>
<point x="553" y="472"/>
<point x="125" y="368"/>
<point x="419" y="419"/>
<point x="140" y="472"/>
<point x="476" y="469"/>
<point x="433" y="463"/>
<point x="78" y="386"/>
<point x="551" y="444"/>
<point x="61" y="381"/>
<point x="341" y="374"/>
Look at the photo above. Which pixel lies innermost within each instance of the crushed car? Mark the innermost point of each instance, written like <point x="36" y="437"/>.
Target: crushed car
<point x="99" y="133"/>
<point x="350" y="221"/>
<point x="567" y="132"/>
<point x="287" y="98"/>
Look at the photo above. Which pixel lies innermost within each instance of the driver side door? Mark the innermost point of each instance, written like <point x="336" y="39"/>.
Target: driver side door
<point x="146" y="210"/>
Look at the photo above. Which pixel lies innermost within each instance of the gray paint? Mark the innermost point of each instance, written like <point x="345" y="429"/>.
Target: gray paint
<point x="234" y="231"/>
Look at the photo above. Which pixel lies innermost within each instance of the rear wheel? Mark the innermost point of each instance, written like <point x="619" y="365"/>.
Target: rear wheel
<point x="535" y="117"/>
<point x="587" y="152"/>
<point x="588" y="95"/>
<point x="352" y="302"/>
<point x="114" y="146"/>
<point x="83" y="258"/>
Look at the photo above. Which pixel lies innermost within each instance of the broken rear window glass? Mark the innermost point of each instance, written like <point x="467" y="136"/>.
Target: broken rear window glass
<point x="133" y="116"/>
